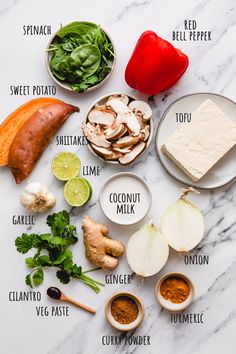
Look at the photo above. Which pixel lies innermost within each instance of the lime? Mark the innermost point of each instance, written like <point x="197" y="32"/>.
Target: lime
<point x="90" y="188"/>
<point x="77" y="191"/>
<point x="65" y="166"/>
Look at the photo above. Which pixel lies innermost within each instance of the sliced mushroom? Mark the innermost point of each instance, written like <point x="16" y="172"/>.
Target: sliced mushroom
<point x="95" y="137"/>
<point x="125" y="115"/>
<point x="101" y="115"/>
<point x="146" y="132"/>
<point x="142" y="108"/>
<point x="124" y="150"/>
<point x="140" y="119"/>
<point x="102" y="151"/>
<point x="122" y="97"/>
<point x="131" y="156"/>
<point x="91" y="126"/>
<point x="112" y="134"/>
<point x="141" y="137"/>
<point x="126" y="141"/>
<point x="115" y="125"/>
<point x="100" y="129"/>
<point x="115" y="155"/>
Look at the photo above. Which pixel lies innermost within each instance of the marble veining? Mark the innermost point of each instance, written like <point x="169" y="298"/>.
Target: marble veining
<point x="6" y="5"/>
<point x="130" y="7"/>
<point x="212" y="68"/>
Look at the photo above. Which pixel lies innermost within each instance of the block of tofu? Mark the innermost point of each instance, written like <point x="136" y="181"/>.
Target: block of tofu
<point x="197" y="146"/>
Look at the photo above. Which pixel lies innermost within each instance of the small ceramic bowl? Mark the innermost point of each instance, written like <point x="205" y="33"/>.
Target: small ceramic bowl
<point x="102" y="100"/>
<point x="67" y="86"/>
<point x="125" y="182"/>
<point x="167" y="304"/>
<point x="124" y="327"/>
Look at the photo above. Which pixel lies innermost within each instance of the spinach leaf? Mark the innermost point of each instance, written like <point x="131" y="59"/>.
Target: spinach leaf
<point x="88" y="58"/>
<point x="59" y="55"/>
<point x="80" y="28"/>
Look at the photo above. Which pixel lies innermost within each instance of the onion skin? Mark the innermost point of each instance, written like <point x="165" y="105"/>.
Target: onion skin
<point x="147" y="251"/>
<point x="182" y="224"/>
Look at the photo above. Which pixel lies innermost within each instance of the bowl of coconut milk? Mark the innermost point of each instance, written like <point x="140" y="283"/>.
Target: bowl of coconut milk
<point x="125" y="198"/>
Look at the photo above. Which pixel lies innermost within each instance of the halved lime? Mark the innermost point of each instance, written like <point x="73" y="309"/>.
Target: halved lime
<point x="65" y="166"/>
<point x="77" y="191"/>
<point x="90" y="188"/>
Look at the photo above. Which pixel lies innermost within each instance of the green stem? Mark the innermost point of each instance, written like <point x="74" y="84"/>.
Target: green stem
<point x="91" y="270"/>
<point x="91" y="282"/>
<point x="92" y="285"/>
<point x="51" y="49"/>
<point x="110" y="51"/>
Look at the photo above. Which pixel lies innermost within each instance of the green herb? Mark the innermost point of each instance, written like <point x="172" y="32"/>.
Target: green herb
<point x="82" y="55"/>
<point x="52" y="251"/>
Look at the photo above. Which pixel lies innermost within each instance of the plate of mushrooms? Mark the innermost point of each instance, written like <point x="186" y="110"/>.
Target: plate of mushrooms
<point x="118" y="128"/>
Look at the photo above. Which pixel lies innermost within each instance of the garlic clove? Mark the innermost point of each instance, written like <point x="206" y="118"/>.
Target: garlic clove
<point x="27" y="199"/>
<point x="36" y="188"/>
<point x="51" y="200"/>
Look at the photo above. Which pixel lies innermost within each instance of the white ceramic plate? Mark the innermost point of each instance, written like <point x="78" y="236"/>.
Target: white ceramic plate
<point x="224" y="171"/>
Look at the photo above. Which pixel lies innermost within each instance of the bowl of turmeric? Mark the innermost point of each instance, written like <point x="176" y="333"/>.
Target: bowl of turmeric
<point x="175" y="292"/>
<point x="124" y="311"/>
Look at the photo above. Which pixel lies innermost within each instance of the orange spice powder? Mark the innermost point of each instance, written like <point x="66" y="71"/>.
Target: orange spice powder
<point x="124" y="309"/>
<point x="175" y="289"/>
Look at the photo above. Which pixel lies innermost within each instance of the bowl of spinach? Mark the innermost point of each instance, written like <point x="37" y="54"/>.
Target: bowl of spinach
<point x="80" y="56"/>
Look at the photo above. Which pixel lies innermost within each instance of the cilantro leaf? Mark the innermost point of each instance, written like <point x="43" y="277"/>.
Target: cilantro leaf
<point x="76" y="271"/>
<point x="63" y="276"/>
<point x="69" y="232"/>
<point x="58" y="222"/>
<point x="58" y="241"/>
<point x="24" y="243"/>
<point x="44" y="261"/>
<point x="65" y="256"/>
<point x="28" y="280"/>
<point x="31" y="262"/>
<point x="35" y="278"/>
<point x="37" y="241"/>
<point x="54" y="253"/>
<point x="38" y="277"/>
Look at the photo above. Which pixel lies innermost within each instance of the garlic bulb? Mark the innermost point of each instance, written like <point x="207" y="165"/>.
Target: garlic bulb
<point x="182" y="224"/>
<point x="36" y="197"/>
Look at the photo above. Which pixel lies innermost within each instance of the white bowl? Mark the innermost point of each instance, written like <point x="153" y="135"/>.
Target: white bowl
<point x="67" y="86"/>
<point x="167" y="304"/>
<point x="109" y="208"/>
<point x="124" y="327"/>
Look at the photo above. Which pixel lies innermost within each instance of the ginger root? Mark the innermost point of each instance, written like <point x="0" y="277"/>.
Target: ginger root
<point x="100" y="250"/>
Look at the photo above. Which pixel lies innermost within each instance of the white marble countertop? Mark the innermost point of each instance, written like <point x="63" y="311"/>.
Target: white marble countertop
<point x="212" y="69"/>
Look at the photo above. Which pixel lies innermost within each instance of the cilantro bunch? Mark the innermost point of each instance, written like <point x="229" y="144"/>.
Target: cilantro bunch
<point x="52" y="251"/>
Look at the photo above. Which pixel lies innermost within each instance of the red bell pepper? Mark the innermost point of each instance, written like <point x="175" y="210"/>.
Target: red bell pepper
<point x="155" y="65"/>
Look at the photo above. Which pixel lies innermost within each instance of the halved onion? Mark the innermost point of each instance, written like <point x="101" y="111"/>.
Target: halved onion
<point x="182" y="224"/>
<point x="147" y="251"/>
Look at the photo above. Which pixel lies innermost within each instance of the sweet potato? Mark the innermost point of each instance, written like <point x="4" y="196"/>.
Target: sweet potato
<point x="12" y="124"/>
<point x="34" y="136"/>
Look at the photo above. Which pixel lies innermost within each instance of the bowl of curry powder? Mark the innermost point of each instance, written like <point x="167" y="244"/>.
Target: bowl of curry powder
<point x="124" y="311"/>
